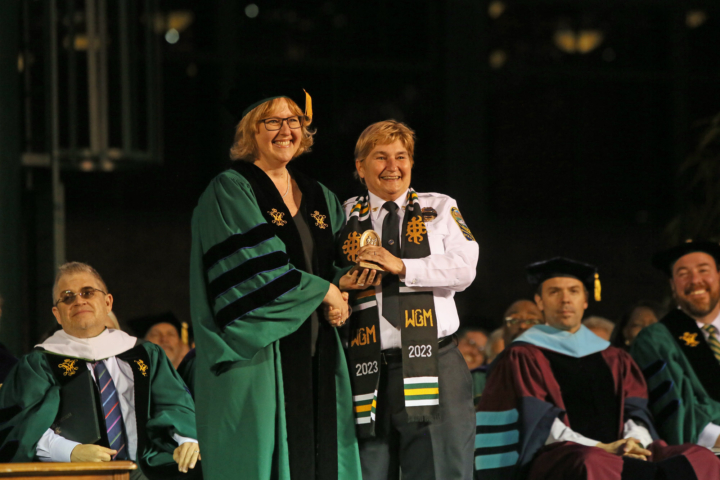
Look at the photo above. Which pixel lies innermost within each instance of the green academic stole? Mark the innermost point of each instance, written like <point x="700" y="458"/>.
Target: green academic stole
<point x="418" y="325"/>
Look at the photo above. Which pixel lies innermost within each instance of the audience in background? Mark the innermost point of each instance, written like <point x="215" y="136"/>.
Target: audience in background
<point x="640" y="315"/>
<point x="521" y="315"/>
<point x="471" y="343"/>
<point x="166" y="331"/>
<point x="602" y="327"/>
<point x="495" y="345"/>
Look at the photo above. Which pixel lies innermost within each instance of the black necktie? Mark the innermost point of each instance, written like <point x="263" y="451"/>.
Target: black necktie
<point x="391" y="283"/>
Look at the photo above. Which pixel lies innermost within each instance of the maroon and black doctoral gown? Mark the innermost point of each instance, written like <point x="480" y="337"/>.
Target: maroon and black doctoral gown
<point x="591" y="387"/>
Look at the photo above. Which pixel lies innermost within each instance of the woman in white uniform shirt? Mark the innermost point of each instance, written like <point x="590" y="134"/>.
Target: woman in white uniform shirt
<point x="412" y="392"/>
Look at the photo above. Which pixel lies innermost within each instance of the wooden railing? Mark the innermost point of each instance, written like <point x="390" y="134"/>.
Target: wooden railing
<point x="119" y="470"/>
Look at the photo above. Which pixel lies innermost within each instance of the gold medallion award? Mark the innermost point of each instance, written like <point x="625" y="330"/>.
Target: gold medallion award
<point x="369" y="237"/>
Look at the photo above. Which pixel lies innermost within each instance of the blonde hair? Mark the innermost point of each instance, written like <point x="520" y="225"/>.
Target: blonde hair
<point x="72" y="268"/>
<point x="384" y="133"/>
<point x="245" y="146"/>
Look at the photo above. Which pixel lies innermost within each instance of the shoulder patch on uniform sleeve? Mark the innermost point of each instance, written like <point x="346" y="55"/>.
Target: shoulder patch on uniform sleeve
<point x="461" y="223"/>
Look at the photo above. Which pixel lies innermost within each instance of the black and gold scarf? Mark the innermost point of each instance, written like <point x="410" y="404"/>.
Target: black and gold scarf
<point x="418" y="325"/>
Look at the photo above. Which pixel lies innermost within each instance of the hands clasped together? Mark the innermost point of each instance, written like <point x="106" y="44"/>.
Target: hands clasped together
<point x="337" y="312"/>
<point x="627" y="447"/>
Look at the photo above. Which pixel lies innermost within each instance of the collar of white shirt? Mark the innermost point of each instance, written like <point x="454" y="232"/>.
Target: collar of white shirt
<point x="376" y="204"/>
<point x="108" y="344"/>
<point x="715" y="322"/>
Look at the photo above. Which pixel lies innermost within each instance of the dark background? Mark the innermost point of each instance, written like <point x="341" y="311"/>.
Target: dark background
<point x="547" y="152"/>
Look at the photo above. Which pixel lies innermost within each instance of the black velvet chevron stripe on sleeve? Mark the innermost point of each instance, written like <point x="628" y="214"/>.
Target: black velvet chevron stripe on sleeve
<point x="246" y="270"/>
<point x="233" y="243"/>
<point x="258" y="298"/>
<point x="653" y="369"/>
<point x="660" y="391"/>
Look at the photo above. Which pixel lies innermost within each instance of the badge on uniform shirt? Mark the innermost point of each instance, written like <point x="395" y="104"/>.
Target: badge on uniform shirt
<point x="429" y="214"/>
<point x="461" y="223"/>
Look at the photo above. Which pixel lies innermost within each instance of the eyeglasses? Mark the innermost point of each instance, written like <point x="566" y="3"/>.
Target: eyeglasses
<point x="475" y="345"/>
<point x="68" y="297"/>
<point x="519" y="321"/>
<point x="273" y="124"/>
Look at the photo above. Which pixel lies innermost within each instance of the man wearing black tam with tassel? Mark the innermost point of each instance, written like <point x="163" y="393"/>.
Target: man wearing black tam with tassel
<point x="561" y="403"/>
<point x="271" y="382"/>
<point x="680" y="355"/>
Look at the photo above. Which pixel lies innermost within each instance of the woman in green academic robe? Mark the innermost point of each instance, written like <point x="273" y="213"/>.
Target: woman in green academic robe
<point x="272" y="387"/>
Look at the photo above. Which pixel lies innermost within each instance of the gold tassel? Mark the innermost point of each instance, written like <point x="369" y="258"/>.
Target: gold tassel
<point x="598" y="288"/>
<point x="308" y="105"/>
<point x="185" y="326"/>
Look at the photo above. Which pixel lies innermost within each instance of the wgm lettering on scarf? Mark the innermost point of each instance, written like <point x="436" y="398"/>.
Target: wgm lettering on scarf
<point x="418" y="318"/>
<point x="364" y="336"/>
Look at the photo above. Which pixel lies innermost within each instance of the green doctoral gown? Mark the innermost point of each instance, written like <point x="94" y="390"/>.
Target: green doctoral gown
<point x="30" y="401"/>
<point x="683" y="377"/>
<point x="247" y="298"/>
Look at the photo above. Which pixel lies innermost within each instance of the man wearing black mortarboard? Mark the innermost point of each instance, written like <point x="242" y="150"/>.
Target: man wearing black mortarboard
<point x="166" y="331"/>
<point x="680" y="354"/>
<point x="560" y="402"/>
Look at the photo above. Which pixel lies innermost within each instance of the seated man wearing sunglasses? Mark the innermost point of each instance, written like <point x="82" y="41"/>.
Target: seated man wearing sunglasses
<point x="143" y="411"/>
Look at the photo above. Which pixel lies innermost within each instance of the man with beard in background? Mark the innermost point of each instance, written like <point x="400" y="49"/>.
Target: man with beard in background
<point x="680" y="355"/>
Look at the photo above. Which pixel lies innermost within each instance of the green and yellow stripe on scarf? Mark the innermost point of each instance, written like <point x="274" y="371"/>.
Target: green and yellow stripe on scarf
<point x="418" y="324"/>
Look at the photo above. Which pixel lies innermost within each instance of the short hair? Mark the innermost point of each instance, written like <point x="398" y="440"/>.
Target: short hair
<point x="245" y="146"/>
<point x="384" y="133"/>
<point x="72" y="268"/>
<point x="462" y="332"/>
<point x="512" y="306"/>
<point x="538" y="291"/>
<point x="618" y="338"/>
<point x="600" y="323"/>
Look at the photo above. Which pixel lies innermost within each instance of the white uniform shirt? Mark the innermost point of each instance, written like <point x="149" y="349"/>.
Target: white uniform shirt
<point x="450" y="267"/>
<point x="711" y="432"/>
<point x="55" y="448"/>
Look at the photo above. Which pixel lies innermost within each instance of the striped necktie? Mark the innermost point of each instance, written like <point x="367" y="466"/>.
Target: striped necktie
<point x="111" y="409"/>
<point x="712" y="340"/>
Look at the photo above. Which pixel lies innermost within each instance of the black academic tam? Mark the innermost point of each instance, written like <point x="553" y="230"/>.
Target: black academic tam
<point x="665" y="260"/>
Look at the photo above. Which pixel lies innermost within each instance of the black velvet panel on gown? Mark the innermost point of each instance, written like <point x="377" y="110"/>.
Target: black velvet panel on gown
<point x="588" y="391"/>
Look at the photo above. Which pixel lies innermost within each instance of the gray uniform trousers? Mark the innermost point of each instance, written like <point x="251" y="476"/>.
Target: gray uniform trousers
<point x="439" y="450"/>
